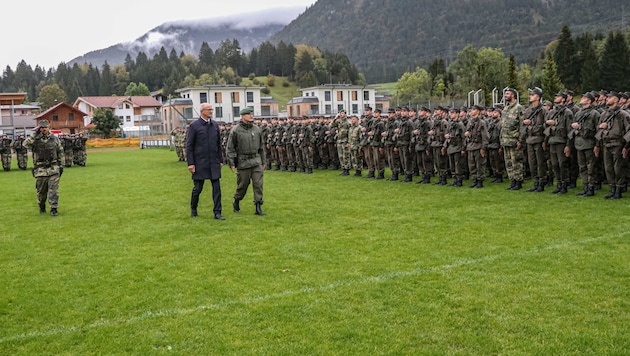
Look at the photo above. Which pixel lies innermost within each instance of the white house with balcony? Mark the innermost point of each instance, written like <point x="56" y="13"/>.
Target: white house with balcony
<point x="329" y="99"/>
<point x="227" y="100"/>
<point x="139" y="115"/>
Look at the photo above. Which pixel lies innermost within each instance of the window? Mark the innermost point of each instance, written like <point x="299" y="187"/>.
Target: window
<point x="203" y="97"/>
<point x="121" y="106"/>
<point x="328" y="109"/>
<point x="188" y="113"/>
<point x="355" y="108"/>
<point x="354" y="95"/>
<point x="250" y="96"/>
<point x="55" y="117"/>
<point x="299" y="112"/>
<point x="339" y="107"/>
<point x="265" y="110"/>
<point x="314" y="109"/>
<point x="366" y="95"/>
<point x="339" y="95"/>
<point x="236" y="110"/>
<point x="312" y="93"/>
<point x="290" y="110"/>
<point x="71" y="116"/>
<point x="327" y="95"/>
<point x="128" y="118"/>
<point x="218" y="111"/>
<point x="379" y="106"/>
<point x="306" y="94"/>
<point x="218" y="98"/>
<point x="236" y="98"/>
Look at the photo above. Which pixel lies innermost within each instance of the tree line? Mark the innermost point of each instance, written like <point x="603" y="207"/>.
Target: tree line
<point x="166" y="72"/>
<point x="579" y="63"/>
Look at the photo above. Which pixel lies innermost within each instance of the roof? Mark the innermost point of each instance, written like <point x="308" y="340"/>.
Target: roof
<point x="27" y="121"/>
<point x="303" y="99"/>
<point x="12" y="98"/>
<point x="268" y="99"/>
<point x="112" y="102"/>
<point x="56" y="107"/>
<point x="220" y="87"/>
<point x="19" y="107"/>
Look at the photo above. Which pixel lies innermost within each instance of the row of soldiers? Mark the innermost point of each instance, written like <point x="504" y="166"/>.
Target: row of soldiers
<point x="544" y="140"/>
<point x="179" y="141"/>
<point x="74" y="146"/>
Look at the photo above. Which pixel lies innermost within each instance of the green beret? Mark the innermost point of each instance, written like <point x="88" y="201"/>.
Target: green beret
<point x="246" y="111"/>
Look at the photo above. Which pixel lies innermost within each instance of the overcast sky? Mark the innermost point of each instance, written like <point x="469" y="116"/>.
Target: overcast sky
<point x="46" y="32"/>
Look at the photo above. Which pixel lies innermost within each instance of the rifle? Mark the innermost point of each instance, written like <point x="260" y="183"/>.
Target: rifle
<point x="600" y="133"/>
<point x="547" y="131"/>
<point x="524" y="129"/>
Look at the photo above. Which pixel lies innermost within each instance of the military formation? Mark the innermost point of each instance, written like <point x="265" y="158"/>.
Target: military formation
<point x="551" y="143"/>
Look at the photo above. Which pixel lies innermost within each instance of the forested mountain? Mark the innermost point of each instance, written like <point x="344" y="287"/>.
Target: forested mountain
<point x="385" y="38"/>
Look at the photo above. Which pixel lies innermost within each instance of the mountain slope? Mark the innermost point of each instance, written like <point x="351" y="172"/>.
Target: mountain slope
<point x="387" y="37"/>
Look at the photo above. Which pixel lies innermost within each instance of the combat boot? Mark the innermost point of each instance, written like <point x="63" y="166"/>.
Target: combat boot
<point x="277" y="167"/>
<point x="53" y="211"/>
<point x="439" y="182"/>
<point x="541" y="187"/>
<point x="518" y="184"/>
<point x="618" y="192"/>
<point x="590" y="191"/>
<point x="408" y="178"/>
<point x="563" y="188"/>
<point x="381" y="175"/>
<point x="193" y="213"/>
<point x="512" y="185"/>
<point x="479" y="183"/>
<point x="474" y="184"/>
<point x="357" y="173"/>
<point x="458" y="182"/>
<point x="236" y="206"/>
<point x="612" y="192"/>
<point x="42" y="208"/>
<point x="443" y="180"/>
<point x="426" y="179"/>
<point x="370" y="174"/>
<point x="558" y="189"/>
<point x="534" y="188"/>
<point x="309" y="171"/>
<point x="258" y="209"/>
<point x="583" y="191"/>
<point x="393" y="177"/>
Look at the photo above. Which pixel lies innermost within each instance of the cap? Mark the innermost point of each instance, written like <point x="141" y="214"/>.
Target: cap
<point x="562" y="94"/>
<point x="453" y="110"/>
<point x="589" y="96"/>
<point x="570" y="93"/>
<point x="547" y="103"/>
<point x="246" y="111"/>
<point x="490" y="108"/>
<point x="44" y="123"/>
<point x="391" y="110"/>
<point x="368" y="108"/>
<point x="512" y="90"/>
<point x="377" y="111"/>
<point x="536" y="91"/>
<point x="342" y="111"/>
<point x="424" y="108"/>
<point x="624" y="95"/>
<point x="478" y="107"/>
<point x="614" y="93"/>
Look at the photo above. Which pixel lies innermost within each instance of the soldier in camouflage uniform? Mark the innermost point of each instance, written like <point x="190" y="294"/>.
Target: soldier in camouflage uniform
<point x="354" y="141"/>
<point x="511" y="122"/>
<point x="495" y="153"/>
<point x="48" y="162"/>
<point x="454" y="146"/>
<point x="420" y="143"/>
<point x="477" y="139"/>
<point x="366" y="141"/>
<point x="391" y="152"/>
<point x="305" y="139"/>
<point x="439" y="127"/>
<point x="403" y="133"/>
<point x="331" y="139"/>
<point x="582" y="135"/>
<point x="342" y="125"/>
<point x="80" y="149"/>
<point x="557" y="126"/>
<point x="614" y="124"/>
<point x="21" y="152"/>
<point x="532" y="134"/>
<point x="5" y="152"/>
<point x="376" y="144"/>
<point x="68" y="148"/>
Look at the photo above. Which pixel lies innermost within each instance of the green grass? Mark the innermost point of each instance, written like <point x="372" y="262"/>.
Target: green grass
<point x="340" y="265"/>
<point x="386" y="87"/>
<point x="280" y="93"/>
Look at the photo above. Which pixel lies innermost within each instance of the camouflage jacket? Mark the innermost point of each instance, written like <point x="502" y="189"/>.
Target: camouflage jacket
<point x="511" y="122"/>
<point x="48" y="155"/>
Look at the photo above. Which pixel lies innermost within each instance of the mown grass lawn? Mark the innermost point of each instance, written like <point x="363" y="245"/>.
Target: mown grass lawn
<point x="340" y="265"/>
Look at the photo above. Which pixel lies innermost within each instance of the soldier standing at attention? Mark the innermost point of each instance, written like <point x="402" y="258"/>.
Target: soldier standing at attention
<point x="80" y="150"/>
<point x="582" y="135"/>
<point x="246" y="153"/>
<point x="403" y="142"/>
<point x="614" y="124"/>
<point x="558" y="124"/>
<point x="439" y="127"/>
<point x="532" y="134"/>
<point x="354" y="140"/>
<point x="511" y="121"/>
<point x="495" y="154"/>
<point x="21" y="151"/>
<point x="454" y="146"/>
<point x="68" y="148"/>
<point x="5" y="152"/>
<point x="376" y="144"/>
<point x="477" y="145"/>
<point x="366" y="141"/>
<point x="342" y="125"/>
<point x="48" y="162"/>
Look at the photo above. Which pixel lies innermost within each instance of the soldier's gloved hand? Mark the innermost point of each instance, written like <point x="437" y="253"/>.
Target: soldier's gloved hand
<point x="60" y="171"/>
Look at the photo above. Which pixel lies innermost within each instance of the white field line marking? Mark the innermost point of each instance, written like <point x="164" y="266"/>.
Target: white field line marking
<point x="307" y="290"/>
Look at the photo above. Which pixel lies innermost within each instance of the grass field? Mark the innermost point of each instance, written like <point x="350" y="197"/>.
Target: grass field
<point x="339" y="266"/>
<point x="279" y="92"/>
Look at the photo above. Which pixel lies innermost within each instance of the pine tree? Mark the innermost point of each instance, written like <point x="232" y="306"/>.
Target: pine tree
<point x="614" y="62"/>
<point x="564" y="56"/>
<point x="512" y="76"/>
<point x="551" y="82"/>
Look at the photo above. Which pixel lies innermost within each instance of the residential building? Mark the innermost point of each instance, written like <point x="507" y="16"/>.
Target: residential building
<point x="64" y="117"/>
<point x="329" y="99"/>
<point x="227" y="99"/>
<point x="15" y="116"/>
<point x="177" y="113"/>
<point x="140" y="115"/>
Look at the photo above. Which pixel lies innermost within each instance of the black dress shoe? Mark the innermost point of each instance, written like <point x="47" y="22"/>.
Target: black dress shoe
<point x="218" y="217"/>
<point x="193" y="213"/>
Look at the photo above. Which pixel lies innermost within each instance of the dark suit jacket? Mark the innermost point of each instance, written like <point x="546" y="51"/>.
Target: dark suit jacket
<point x="203" y="149"/>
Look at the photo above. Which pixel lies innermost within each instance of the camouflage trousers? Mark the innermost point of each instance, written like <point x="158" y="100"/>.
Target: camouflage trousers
<point x="48" y="187"/>
<point x="180" y="153"/>
<point x="356" y="157"/>
<point x="332" y="154"/>
<point x="307" y="156"/>
<point x="69" y="157"/>
<point x="299" y="157"/>
<point x="6" y="161"/>
<point x="343" y="149"/>
<point x="514" y="163"/>
<point x="22" y="158"/>
<point x="290" y="155"/>
<point x="323" y="154"/>
<point x="81" y="157"/>
<point x="282" y="156"/>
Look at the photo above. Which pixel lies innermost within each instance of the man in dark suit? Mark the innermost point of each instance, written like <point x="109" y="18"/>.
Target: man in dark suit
<point x="205" y="158"/>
